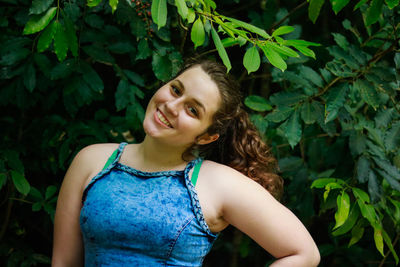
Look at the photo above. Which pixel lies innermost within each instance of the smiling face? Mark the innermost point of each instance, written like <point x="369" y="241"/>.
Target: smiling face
<point x="183" y="109"/>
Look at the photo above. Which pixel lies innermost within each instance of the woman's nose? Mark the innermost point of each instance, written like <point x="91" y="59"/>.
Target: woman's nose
<point x="172" y="107"/>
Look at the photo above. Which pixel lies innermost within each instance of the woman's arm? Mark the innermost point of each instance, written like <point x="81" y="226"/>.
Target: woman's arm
<point x="67" y="240"/>
<point x="250" y="208"/>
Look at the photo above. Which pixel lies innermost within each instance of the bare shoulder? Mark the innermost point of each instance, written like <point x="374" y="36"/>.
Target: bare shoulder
<point x="89" y="161"/>
<point x="226" y="177"/>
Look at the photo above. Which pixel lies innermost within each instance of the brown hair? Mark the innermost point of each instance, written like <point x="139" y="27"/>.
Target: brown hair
<point x="239" y="144"/>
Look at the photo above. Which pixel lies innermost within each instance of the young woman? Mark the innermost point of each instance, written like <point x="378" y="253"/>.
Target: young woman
<point x="201" y="167"/>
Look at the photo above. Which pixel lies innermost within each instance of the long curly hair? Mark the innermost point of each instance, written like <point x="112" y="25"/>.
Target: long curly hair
<point x="239" y="144"/>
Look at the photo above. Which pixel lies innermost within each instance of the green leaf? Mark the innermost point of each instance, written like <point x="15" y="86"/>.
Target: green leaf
<point x="211" y="4"/>
<point x="373" y="12"/>
<point x="124" y="96"/>
<point x="143" y="49"/>
<point x="37" y="206"/>
<point x="122" y="47"/>
<point x="368" y="92"/>
<point x="182" y="8"/>
<point x="314" y="9"/>
<point x="349" y="223"/>
<point x="311" y="75"/>
<point x="338" y="5"/>
<point x="260" y="122"/>
<point x="357" y="143"/>
<point x="93" y="3"/>
<point x="360" y="195"/>
<point x="197" y="34"/>
<point x="374" y="189"/>
<point x="249" y="27"/>
<point x="392" y="182"/>
<point x="341" y="41"/>
<point x="388" y="242"/>
<point x="342" y="213"/>
<point x="329" y="127"/>
<point x="98" y="53"/>
<point x="14" y="57"/>
<point x="280" y="114"/>
<point x="3" y="180"/>
<point x="378" y="240"/>
<point x="375" y="135"/>
<point x="221" y="49"/>
<point x="363" y="169"/>
<point x="356" y="233"/>
<point x="308" y="113"/>
<point x="161" y="67"/>
<point x="50" y="191"/>
<point x="359" y="4"/>
<point x="305" y="51"/>
<point x="392" y="137"/>
<point x="40" y="6"/>
<point x="251" y="59"/>
<point x="21" y="184"/>
<point x="282" y="30"/>
<point x="30" y="77"/>
<point x="293" y="129"/>
<point x="322" y="182"/>
<point x="134" y="77"/>
<point x="13" y="161"/>
<point x="62" y="70"/>
<point x="70" y="34"/>
<point x="159" y="12"/>
<point x="274" y="58"/>
<point x="191" y="15"/>
<point x="296" y="43"/>
<point x="335" y="100"/>
<point x="60" y="41"/>
<point x="391" y="4"/>
<point x="257" y="103"/>
<point x="92" y="78"/>
<point x="283" y="50"/>
<point x="228" y="42"/>
<point x="46" y="37"/>
<point x="113" y="4"/>
<point x="388" y="167"/>
<point x="368" y="212"/>
<point x="284" y="98"/>
<point x="384" y="117"/>
<point x="38" y="22"/>
<point x="35" y="193"/>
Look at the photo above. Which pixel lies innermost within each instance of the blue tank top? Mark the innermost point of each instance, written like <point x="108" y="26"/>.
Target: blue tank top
<point x="135" y="218"/>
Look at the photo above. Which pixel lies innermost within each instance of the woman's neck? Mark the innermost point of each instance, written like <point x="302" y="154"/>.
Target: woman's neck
<point x="157" y="155"/>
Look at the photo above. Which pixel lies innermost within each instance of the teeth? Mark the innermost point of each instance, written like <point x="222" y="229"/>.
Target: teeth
<point x="162" y="119"/>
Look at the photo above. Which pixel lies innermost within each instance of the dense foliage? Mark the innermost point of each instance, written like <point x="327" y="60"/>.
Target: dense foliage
<point x="79" y="72"/>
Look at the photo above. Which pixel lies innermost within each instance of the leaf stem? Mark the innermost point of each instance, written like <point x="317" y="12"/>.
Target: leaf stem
<point x="288" y="15"/>
<point x="388" y="252"/>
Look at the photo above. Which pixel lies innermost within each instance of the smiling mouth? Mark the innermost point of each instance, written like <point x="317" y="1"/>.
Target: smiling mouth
<point x="163" y="119"/>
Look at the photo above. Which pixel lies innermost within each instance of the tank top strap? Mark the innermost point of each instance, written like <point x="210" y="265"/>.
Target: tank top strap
<point x="196" y="171"/>
<point x="116" y="155"/>
<point x="119" y="152"/>
<point x="196" y="164"/>
<point x="112" y="160"/>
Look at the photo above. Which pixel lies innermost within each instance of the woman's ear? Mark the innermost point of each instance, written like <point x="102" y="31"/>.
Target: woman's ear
<point x="206" y="139"/>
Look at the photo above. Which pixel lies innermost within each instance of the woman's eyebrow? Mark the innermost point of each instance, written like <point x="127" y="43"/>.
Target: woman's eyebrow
<point x="180" y="84"/>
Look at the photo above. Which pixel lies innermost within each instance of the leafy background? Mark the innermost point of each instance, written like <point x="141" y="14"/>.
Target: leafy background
<point x="321" y="80"/>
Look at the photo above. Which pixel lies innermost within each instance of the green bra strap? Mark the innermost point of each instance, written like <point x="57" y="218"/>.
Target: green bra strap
<point x="111" y="159"/>
<point x="195" y="173"/>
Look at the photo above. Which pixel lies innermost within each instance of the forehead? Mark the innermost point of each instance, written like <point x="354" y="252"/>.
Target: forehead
<point x="199" y="85"/>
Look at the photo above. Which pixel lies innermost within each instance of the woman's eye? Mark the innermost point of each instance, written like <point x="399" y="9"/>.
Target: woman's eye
<point x="175" y="90"/>
<point x="193" y="111"/>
